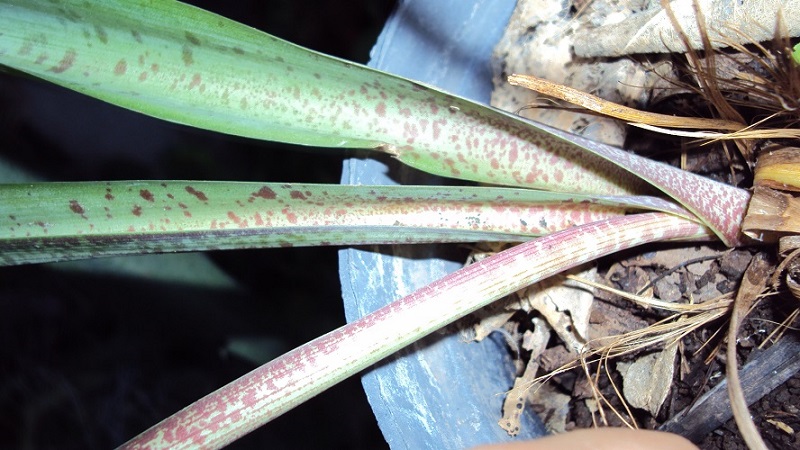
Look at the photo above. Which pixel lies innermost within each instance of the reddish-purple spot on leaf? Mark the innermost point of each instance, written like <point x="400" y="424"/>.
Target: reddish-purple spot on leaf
<point x="235" y="219"/>
<point x="66" y="62"/>
<point x="265" y="193"/>
<point x="297" y="195"/>
<point x="147" y="195"/>
<point x="381" y="109"/>
<point x="101" y="34"/>
<point x="109" y="196"/>
<point x="192" y="38"/>
<point x="186" y="55"/>
<point x="290" y="216"/>
<point x="199" y="194"/>
<point x="196" y="80"/>
<point x="137" y="210"/>
<point x="76" y="207"/>
<point x="187" y="214"/>
<point x="25" y="49"/>
<point x="121" y="67"/>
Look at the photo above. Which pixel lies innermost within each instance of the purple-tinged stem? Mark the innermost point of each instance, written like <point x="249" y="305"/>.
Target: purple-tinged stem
<point x="278" y="386"/>
<point x="718" y="205"/>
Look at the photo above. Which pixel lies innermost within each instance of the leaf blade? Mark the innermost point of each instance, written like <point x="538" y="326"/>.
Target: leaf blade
<point x="280" y="385"/>
<point x="188" y="66"/>
<point x="43" y="222"/>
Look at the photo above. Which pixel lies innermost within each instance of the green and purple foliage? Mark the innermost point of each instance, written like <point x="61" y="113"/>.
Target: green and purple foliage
<point x="184" y="65"/>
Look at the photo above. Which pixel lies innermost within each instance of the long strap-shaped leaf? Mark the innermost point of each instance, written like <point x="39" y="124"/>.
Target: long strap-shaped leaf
<point x="182" y="64"/>
<point x="720" y="206"/>
<point x="278" y="386"/>
<point x="45" y="222"/>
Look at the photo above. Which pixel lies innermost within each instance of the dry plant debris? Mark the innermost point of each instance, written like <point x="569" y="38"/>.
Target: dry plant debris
<point x="650" y="31"/>
<point x="731" y="114"/>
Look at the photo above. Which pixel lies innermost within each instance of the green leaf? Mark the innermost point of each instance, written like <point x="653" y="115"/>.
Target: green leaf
<point x="42" y="222"/>
<point x="185" y="65"/>
<point x="278" y="386"/>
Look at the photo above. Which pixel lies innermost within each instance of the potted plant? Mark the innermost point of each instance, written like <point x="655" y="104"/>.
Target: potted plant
<point x="422" y="395"/>
<point x="184" y="65"/>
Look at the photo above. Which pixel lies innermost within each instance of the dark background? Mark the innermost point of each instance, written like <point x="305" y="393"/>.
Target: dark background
<point x="91" y="357"/>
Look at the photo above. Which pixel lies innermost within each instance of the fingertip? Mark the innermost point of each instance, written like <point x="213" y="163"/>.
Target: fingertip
<point x="602" y="439"/>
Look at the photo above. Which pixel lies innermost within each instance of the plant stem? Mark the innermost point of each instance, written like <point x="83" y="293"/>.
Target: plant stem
<point x="273" y="389"/>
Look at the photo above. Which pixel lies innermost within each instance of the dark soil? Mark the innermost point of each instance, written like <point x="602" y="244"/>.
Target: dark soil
<point x="780" y="406"/>
<point x="696" y="376"/>
<point x="701" y="359"/>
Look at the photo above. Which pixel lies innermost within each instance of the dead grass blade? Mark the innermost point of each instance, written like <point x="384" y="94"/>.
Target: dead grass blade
<point x="650" y="302"/>
<point x="753" y="284"/>
<point x="779" y="331"/>
<point x="611" y="109"/>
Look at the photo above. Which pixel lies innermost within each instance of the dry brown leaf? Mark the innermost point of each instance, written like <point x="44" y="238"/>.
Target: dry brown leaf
<point x="617" y="111"/>
<point x="770" y="213"/>
<point x="781" y="426"/>
<point x="515" y="400"/>
<point x="565" y="305"/>
<point x="538" y="41"/>
<point x="650" y="31"/>
<point x="753" y="284"/>
<point x="555" y="406"/>
<point x="647" y="380"/>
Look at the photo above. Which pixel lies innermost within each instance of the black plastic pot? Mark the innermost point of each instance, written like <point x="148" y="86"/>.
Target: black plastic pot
<point x="440" y="393"/>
